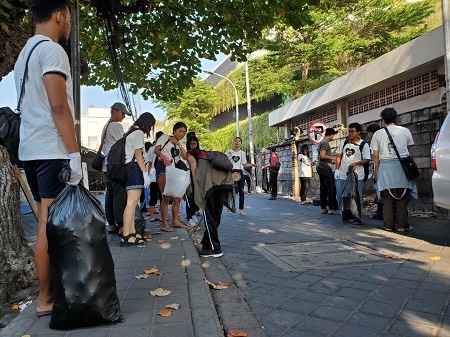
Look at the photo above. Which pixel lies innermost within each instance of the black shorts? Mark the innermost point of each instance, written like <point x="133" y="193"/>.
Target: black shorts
<point x="42" y="177"/>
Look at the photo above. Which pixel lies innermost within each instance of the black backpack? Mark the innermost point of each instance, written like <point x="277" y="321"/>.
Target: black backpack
<point x="219" y="161"/>
<point x="10" y="133"/>
<point x="366" y="166"/>
<point x="115" y="166"/>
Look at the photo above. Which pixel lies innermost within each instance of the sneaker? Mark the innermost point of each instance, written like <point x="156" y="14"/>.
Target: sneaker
<point x="241" y="212"/>
<point x="211" y="253"/>
<point x="407" y="229"/>
<point x="388" y="229"/>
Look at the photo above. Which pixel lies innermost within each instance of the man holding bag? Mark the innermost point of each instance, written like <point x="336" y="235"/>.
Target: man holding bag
<point x="46" y="146"/>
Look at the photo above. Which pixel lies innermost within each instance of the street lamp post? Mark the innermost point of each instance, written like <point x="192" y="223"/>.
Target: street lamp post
<point x="250" y="126"/>
<point x="235" y="96"/>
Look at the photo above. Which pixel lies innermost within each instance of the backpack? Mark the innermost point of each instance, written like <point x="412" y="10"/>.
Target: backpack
<point x="366" y="166"/>
<point x="115" y="168"/>
<point x="277" y="164"/>
<point x="10" y="133"/>
<point x="219" y="161"/>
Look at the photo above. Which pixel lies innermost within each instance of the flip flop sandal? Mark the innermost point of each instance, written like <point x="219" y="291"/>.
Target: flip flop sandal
<point x="168" y="229"/>
<point x="43" y="313"/>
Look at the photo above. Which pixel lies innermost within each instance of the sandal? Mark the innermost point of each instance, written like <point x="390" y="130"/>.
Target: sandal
<point x="167" y="229"/>
<point x="125" y="240"/>
<point x="324" y="211"/>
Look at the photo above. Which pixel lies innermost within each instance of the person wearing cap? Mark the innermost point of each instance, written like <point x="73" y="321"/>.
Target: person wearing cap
<point x="116" y="193"/>
<point x="47" y="129"/>
<point x="326" y="175"/>
<point x="273" y="172"/>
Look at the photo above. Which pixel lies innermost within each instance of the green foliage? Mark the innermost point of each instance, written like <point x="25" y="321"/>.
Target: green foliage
<point x="160" y="45"/>
<point x="222" y="139"/>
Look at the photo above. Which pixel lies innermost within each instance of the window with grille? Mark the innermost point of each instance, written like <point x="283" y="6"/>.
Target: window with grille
<point x="412" y="87"/>
<point x="328" y="116"/>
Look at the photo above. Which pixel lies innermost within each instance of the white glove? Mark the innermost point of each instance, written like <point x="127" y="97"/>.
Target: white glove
<point x="75" y="168"/>
<point x="336" y="174"/>
<point x="146" y="179"/>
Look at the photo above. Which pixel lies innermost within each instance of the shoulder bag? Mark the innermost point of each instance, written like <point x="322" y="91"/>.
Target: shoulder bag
<point x="97" y="163"/>
<point x="408" y="164"/>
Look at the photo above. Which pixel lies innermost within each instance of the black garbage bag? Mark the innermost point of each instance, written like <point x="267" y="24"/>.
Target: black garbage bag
<point x="351" y="205"/>
<point x="84" y="284"/>
<point x="265" y="181"/>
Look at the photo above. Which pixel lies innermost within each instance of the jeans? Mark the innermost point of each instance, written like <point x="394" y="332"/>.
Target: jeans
<point x="339" y="188"/>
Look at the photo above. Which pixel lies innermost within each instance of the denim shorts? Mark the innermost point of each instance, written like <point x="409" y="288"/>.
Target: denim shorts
<point x="42" y="177"/>
<point x="135" y="179"/>
<point x="160" y="168"/>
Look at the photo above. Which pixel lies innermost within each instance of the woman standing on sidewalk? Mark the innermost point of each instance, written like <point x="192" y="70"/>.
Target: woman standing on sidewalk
<point x="239" y="160"/>
<point x="304" y="172"/>
<point x="168" y="148"/>
<point x="137" y="175"/>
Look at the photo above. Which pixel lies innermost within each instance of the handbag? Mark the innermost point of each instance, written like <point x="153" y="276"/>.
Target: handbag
<point x="177" y="181"/>
<point x="97" y="162"/>
<point x="236" y="175"/>
<point x="10" y="120"/>
<point x="408" y="164"/>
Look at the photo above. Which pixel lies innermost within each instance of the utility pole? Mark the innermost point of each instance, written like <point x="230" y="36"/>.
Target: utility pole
<point x="250" y="126"/>
<point x="446" y="23"/>
<point x="75" y="66"/>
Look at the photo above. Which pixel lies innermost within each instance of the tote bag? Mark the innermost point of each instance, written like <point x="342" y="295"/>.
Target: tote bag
<point x="177" y="181"/>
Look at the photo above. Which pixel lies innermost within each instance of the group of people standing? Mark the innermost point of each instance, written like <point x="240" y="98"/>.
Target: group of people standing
<point x="392" y="187"/>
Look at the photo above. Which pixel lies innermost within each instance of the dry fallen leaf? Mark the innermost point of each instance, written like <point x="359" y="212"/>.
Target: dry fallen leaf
<point x="390" y="256"/>
<point x="141" y="276"/>
<point x="26" y="335"/>
<point x="236" y="333"/>
<point x="160" y="292"/>
<point x="154" y="271"/>
<point x="161" y="241"/>
<point x="15" y="307"/>
<point x="174" y="306"/>
<point x="165" y="313"/>
<point x="174" y="238"/>
<point x="197" y="241"/>
<point x="218" y="286"/>
<point x="435" y="258"/>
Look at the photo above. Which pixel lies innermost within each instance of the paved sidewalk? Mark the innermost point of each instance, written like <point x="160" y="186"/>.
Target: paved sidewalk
<point x="178" y="261"/>
<point x="307" y="274"/>
<point x="293" y="272"/>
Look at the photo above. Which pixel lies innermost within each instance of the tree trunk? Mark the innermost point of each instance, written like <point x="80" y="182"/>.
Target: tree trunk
<point x="17" y="268"/>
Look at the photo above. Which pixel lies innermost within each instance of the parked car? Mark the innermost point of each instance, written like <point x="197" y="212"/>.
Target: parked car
<point x="440" y="162"/>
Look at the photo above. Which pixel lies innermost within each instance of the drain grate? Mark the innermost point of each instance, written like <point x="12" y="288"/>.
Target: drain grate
<point x="318" y="254"/>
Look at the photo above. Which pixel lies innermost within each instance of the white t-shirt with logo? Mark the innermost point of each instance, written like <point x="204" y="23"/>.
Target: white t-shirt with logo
<point x="238" y="158"/>
<point x="352" y="154"/>
<point x="304" y="166"/>
<point x="39" y="138"/>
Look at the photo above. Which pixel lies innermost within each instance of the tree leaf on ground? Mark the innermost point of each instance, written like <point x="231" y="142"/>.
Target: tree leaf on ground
<point x="391" y="256"/>
<point x="174" y="306"/>
<point x="15" y="306"/>
<point x="174" y="238"/>
<point x="140" y="277"/>
<point x="435" y="258"/>
<point x="154" y="271"/>
<point x="236" y="333"/>
<point x="161" y="241"/>
<point x="160" y="292"/>
<point x="165" y="313"/>
<point x="224" y="284"/>
<point x="218" y="286"/>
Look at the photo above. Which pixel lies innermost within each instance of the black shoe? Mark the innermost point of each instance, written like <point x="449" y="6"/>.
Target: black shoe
<point x="211" y="253"/>
<point x="377" y="216"/>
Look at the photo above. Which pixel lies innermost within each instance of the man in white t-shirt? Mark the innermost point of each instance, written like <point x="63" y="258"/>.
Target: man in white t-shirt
<point x="116" y="194"/>
<point x="47" y="131"/>
<point x="349" y="153"/>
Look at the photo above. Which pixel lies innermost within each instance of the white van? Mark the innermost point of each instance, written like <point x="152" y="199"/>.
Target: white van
<point x="440" y="162"/>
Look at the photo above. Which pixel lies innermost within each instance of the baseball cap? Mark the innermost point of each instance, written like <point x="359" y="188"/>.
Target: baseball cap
<point x="272" y="148"/>
<point x="121" y="107"/>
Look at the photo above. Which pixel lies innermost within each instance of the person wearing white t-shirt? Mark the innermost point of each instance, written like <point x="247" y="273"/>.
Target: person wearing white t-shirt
<point x="116" y="194"/>
<point x="155" y="193"/>
<point x="47" y="129"/>
<point x="169" y="149"/>
<point x="395" y="189"/>
<point x="349" y="154"/>
<point x="138" y="177"/>
<point x="304" y="172"/>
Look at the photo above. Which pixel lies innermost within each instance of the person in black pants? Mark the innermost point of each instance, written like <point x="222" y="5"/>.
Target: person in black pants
<point x="213" y="189"/>
<point x="326" y="175"/>
<point x="273" y="173"/>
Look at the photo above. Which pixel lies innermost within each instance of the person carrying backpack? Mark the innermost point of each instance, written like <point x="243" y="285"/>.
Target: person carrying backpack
<point x="137" y="177"/>
<point x="354" y="152"/>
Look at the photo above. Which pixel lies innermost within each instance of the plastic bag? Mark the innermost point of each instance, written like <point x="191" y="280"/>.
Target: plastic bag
<point x="177" y="181"/>
<point x="351" y="205"/>
<point x="84" y="284"/>
<point x="265" y="181"/>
